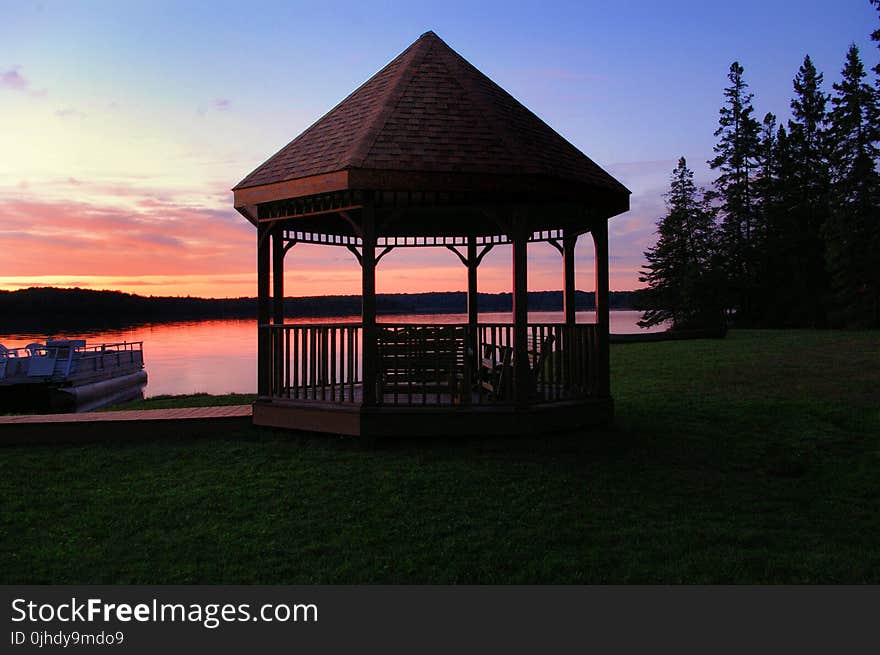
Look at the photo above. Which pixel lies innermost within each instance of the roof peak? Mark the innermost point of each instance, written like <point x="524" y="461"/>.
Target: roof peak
<point x="430" y="111"/>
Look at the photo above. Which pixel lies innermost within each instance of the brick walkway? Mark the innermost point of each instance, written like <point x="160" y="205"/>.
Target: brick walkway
<point x="128" y="424"/>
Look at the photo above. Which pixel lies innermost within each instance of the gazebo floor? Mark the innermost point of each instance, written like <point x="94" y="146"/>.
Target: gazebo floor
<point x="408" y="397"/>
<point x="428" y="416"/>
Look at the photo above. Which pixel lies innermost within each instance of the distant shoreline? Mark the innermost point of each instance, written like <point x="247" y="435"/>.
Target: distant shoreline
<point x="49" y="306"/>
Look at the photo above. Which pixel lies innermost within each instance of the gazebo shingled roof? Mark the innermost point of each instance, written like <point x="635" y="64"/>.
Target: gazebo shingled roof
<point x="430" y="120"/>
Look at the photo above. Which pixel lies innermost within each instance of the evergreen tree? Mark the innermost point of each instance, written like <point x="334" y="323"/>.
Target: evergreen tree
<point x="809" y="111"/>
<point x="767" y="181"/>
<point x="808" y="183"/>
<point x="782" y="252"/>
<point x="770" y="190"/>
<point x="875" y="35"/>
<point x="736" y="154"/>
<point x="853" y="229"/>
<point x="681" y="265"/>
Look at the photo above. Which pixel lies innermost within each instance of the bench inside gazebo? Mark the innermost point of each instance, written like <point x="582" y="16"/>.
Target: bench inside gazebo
<point x="430" y="153"/>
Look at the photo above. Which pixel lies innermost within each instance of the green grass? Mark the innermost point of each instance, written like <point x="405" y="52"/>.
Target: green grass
<point x="172" y="402"/>
<point x="754" y="459"/>
<point x="191" y="400"/>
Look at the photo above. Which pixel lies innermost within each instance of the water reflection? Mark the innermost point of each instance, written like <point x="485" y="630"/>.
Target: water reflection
<point x="219" y="356"/>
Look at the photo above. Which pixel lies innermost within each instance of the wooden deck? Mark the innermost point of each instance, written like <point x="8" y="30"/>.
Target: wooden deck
<point x="431" y="419"/>
<point x="354" y="395"/>
<point x="122" y="425"/>
<point x="411" y="396"/>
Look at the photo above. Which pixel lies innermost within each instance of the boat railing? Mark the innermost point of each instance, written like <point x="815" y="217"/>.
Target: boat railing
<point x="42" y="349"/>
<point x="109" y="355"/>
<point x="44" y="359"/>
<point x="119" y="346"/>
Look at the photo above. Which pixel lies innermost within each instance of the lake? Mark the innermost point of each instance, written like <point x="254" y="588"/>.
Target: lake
<point x="220" y="356"/>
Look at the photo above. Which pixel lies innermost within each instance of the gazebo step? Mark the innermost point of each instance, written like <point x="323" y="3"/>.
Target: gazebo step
<point x="433" y="421"/>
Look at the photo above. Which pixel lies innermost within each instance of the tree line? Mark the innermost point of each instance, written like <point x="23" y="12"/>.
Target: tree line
<point x="51" y="308"/>
<point x="789" y="233"/>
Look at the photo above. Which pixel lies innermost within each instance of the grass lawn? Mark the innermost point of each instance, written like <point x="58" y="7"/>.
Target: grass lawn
<point x="754" y="459"/>
<point x="191" y="400"/>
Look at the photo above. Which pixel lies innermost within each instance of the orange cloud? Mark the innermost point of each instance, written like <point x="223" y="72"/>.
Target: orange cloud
<point x="117" y="236"/>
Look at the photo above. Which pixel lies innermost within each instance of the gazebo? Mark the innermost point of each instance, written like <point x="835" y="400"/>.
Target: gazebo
<point x="429" y="152"/>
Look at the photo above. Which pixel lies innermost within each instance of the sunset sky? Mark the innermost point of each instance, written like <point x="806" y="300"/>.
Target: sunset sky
<point x="125" y="124"/>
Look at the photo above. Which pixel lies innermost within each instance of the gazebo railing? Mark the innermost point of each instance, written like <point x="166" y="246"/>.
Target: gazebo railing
<point x="433" y="364"/>
<point x="318" y="362"/>
<point x="563" y="362"/>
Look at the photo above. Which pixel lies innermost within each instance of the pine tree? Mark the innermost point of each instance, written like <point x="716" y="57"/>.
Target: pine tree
<point x="767" y="183"/>
<point x="808" y="283"/>
<point x="875" y="35"/>
<point x="853" y="229"/>
<point x="809" y="111"/>
<point x="736" y="154"/>
<point x="770" y="185"/>
<point x="681" y="265"/>
<point x="781" y="250"/>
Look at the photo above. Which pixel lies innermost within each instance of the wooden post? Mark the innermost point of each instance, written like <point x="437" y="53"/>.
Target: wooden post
<point x="277" y="342"/>
<point x="368" y="301"/>
<point x="600" y="241"/>
<point x="568" y="285"/>
<point x="521" y="369"/>
<point x="278" y="274"/>
<point x="264" y="335"/>
<point x="472" y="310"/>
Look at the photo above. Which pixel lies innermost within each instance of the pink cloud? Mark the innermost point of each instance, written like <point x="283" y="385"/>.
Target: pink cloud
<point x="94" y="239"/>
<point x="12" y="79"/>
<point x="126" y="233"/>
<point x="219" y="104"/>
<point x="122" y="189"/>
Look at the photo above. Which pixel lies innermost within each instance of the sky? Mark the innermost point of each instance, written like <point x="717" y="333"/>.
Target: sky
<point x="126" y="124"/>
